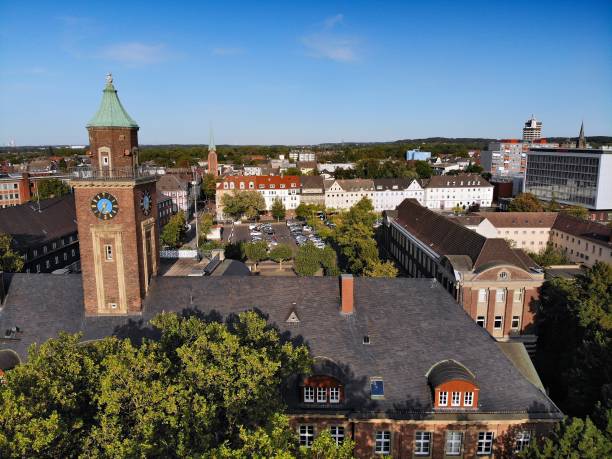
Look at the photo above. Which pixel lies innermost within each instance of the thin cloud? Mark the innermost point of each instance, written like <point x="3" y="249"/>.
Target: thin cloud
<point x="331" y="21"/>
<point x="326" y="43"/>
<point x="227" y="51"/>
<point x="136" y="53"/>
<point x="325" y="46"/>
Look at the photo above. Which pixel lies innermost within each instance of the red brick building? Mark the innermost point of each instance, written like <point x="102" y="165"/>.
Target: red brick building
<point x="498" y="286"/>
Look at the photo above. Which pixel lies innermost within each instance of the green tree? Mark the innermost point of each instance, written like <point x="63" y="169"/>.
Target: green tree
<point x="553" y="205"/>
<point x="324" y="447"/>
<point x="577" y="211"/>
<point x="278" y="209"/>
<point x="293" y="171"/>
<point x="381" y="269"/>
<point x="423" y="168"/>
<point x="305" y="211"/>
<point x="201" y="387"/>
<point x="574" y="349"/>
<point x="355" y="236"/>
<point x="10" y="261"/>
<point x="52" y="188"/>
<point x="280" y="253"/>
<point x="525" y="202"/>
<point x="243" y="203"/>
<point x="307" y="261"/>
<point x="204" y="226"/>
<point x="208" y="186"/>
<point x="174" y="230"/>
<point x="256" y="251"/>
<point x="329" y="261"/>
<point x="550" y="256"/>
<point x="574" y="438"/>
<point x="474" y="169"/>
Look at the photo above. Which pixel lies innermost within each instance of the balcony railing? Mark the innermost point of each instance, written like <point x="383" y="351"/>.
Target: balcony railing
<point x="90" y="173"/>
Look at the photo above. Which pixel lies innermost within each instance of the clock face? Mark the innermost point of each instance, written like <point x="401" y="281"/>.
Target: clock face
<point x="104" y="206"/>
<point x="146" y="202"/>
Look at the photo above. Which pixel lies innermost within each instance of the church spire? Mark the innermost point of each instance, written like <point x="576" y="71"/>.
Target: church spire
<point x="211" y="141"/>
<point x="581" y="143"/>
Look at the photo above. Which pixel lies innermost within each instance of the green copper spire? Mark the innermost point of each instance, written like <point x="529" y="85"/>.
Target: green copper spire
<point x="111" y="113"/>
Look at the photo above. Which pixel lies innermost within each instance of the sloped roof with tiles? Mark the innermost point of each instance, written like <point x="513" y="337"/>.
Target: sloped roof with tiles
<point x="595" y="232"/>
<point x="111" y="113"/>
<point x="446" y="237"/>
<point x="403" y="319"/>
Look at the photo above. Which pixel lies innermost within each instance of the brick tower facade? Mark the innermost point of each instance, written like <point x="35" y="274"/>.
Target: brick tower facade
<point x="116" y="209"/>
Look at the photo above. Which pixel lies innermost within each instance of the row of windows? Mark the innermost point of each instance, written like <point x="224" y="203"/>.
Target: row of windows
<point x="8" y="186"/>
<point x="498" y="322"/>
<point x="453" y="443"/>
<point x="468" y="398"/>
<point x="500" y="295"/>
<point x="323" y="394"/>
<point x="54" y="245"/>
<point x="9" y="196"/>
<point x="56" y="260"/>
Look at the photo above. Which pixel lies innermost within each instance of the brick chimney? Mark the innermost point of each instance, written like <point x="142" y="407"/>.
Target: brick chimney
<point x="347" y="305"/>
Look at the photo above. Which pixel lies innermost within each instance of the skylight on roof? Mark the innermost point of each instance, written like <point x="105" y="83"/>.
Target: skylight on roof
<point x="377" y="387"/>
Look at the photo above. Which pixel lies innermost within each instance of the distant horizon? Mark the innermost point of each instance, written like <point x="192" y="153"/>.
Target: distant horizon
<point x="293" y="73"/>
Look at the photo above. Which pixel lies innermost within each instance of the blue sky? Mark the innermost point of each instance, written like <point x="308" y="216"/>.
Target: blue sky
<point x="308" y="72"/>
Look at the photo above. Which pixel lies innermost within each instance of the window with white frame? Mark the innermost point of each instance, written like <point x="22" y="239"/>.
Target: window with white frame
<point x="516" y="322"/>
<point x="468" y="398"/>
<point x="500" y="295"/>
<point x="522" y="440"/>
<point x="518" y="295"/>
<point x="485" y="443"/>
<point x="497" y="323"/>
<point x="443" y="398"/>
<point x="383" y="442"/>
<point x="306" y="435"/>
<point x="321" y="394"/>
<point x="456" y="399"/>
<point x="334" y="395"/>
<point x="108" y="252"/>
<point x="482" y="295"/>
<point x="452" y="446"/>
<point x="309" y="394"/>
<point x="482" y="321"/>
<point x="48" y="264"/>
<point x="337" y="434"/>
<point x="105" y="160"/>
<point x="422" y="443"/>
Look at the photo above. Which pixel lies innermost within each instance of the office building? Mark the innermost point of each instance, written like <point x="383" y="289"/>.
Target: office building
<point x="532" y="130"/>
<point x="417" y="155"/>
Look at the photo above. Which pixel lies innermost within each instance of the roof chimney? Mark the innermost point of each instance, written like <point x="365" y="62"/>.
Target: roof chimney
<point x="346" y="293"/>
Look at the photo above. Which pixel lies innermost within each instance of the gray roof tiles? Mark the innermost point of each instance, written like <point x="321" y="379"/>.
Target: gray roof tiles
<point x="412" y="325"/>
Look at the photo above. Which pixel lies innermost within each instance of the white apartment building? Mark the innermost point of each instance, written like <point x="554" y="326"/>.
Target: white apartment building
<point x="505" y="158"/>
<point x="343" y="194"/>
<point x="389" y="193"/>
<point x="271" y="187"/>
<point x="302" y="155"/>
<point x="446" y="192"/>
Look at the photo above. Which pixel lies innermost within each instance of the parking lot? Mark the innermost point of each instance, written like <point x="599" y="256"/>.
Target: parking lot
<point x="303" y="234"/>
<point x="273" y="233"/>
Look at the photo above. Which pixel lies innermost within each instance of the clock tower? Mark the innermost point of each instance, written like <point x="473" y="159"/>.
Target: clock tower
<point x="116" y="209"/>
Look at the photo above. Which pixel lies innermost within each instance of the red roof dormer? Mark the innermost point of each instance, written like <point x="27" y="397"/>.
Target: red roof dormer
<point x="453" y="386"/>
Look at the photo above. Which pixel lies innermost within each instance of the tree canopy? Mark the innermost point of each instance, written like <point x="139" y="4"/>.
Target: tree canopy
<point x="574" y="348"/>
<point x="243" y="203"/>
<point x="10" y="261"/>
<point x="280" y="253"/>
<point x="256" y="251"/>
<point x="550" y="256"/>
<point x="203" y="389"/>
<point x="278" y="209"/>
<point x="52" y="188"/>
<point x="525" y="202"/>
<point x="173" y="231"/>
<point x="310" y="259"/>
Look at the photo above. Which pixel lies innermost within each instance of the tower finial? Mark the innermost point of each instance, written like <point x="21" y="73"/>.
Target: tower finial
<point x="109" y="78"/>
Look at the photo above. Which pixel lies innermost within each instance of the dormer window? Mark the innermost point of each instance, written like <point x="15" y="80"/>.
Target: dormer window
<point x="322" y="389"/>
<point x="366" y="339"/>
<point x="450" y="379"/>
<point x="309" y="394"/>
